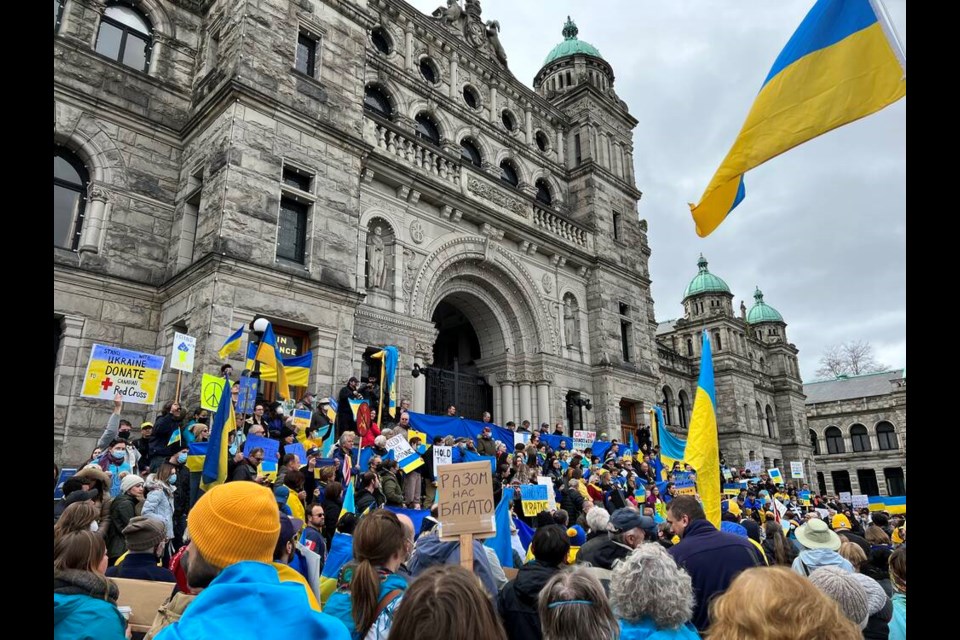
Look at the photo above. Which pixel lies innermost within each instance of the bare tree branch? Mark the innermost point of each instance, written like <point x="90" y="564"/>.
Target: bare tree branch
<point x="851" y="358"/>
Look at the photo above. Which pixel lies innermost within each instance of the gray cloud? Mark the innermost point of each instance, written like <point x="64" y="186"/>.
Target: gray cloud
<point x="822" y="230"/>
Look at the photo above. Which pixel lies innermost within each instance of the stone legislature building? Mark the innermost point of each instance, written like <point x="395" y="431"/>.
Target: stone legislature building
<point x="363" y="174"/>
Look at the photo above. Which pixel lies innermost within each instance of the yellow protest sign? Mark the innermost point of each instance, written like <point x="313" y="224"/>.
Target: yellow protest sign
<point x="210" y="389"/>
<point x="134" y="375"/>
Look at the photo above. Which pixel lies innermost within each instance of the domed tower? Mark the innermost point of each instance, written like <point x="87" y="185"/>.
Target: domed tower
<point x="571" y="63"/>
<point x="766" y="322"/>
<point x="706" y="295"/>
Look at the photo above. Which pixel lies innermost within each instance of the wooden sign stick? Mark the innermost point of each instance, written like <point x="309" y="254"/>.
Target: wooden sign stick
<point x="466" y="551"/>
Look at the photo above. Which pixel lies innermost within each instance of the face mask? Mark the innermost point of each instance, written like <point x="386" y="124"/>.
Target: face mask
<point x="182" y="458"/>
<point x="233" y="449"/>
<point x="117" y="455"/>
<point x="94" y="526"/>
<point x="172" y="479"/>
<point x="123" y="435"/>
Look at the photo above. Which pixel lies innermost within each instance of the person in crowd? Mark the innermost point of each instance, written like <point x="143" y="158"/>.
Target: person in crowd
<point x="800" y="610"/>
<point x="345" y="457"/>
<point x="368" y="494"/>
<point x="142" y="444"/>
<point x="842" y="527"/>
<point x="880" y="608"/>
<point x="114" y="462"/>
<point x="84" y="600"/>
<point x="430" y="551"/>
<point x="485" y="443"/>
<point x="79" y="516"/>
<point x="711" y="557"/>
<point x="627" y="530"/>
<point x="517" y="601"/>
<point x="258" y="418"/>
<point x="124" y="508"/>
<point x="652" y="596"/>
<point x="841" y="587"/>
<point x="332" y="505"/>
<point x="778" y="549"/>
<point x="898" y="576"/>
<point x="390" y="483"/>
<point x="159" y="501"/>
<point x="166" y="425"/>
<point x="146" y="541"/>
<point x="368" y="589"/>
<point x="99" y="482"/>
<point x="74" y="490"/>
<point x="184" y="496"/>
<point x="486" y="417"/>
<point x="372" y="431"/>
<point x="446" y="602"/>
<point x="573" y="605"/>
<point x="312" y="536"/>
<point x="248" y="469"/>
<point x="294" y="480"/>
<point x="819" y="548"/>
<point x="345" y="419"/>
<point x="239" y="582"/>
<point x="286" y="552"/>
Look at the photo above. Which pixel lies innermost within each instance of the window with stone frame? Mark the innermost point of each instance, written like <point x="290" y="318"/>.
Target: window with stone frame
<point x="125" y="35"/>
<point x="887" y="437"/>
<point x="70" y="183"/>
<point x="470" y="152"/>
<point x="427" y="128"/>
<point x="543" y="192"/>
<point x="308" y="53"/>
<point x="296" y="200"/>
<point x="375" y="100"/>
<point x="57" y="14"/>
<point x="859" y="438"/>
<point x="508" y="173"/>
<point x="834" y="440"/>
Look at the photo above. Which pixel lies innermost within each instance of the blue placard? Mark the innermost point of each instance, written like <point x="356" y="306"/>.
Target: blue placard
<point x="271" y="448"/>
<point x="296" y="448"/>
<point x="246" y="400"/>
<point x="65" y="474"/>
<point x="533" y="492"/>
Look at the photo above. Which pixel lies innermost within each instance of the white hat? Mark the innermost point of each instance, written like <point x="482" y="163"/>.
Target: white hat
<point x="815" y="534"/>
<point x="130" y="481"/>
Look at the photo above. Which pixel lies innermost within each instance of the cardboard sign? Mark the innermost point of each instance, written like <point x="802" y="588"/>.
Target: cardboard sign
<point x="134" y="375"/>
<point x="534" y="498"/>
<point x="731" y="490"/>
<point x="270" y="447"/>
<point x="796" y="469"/>
<point x="465" y="500"/>
<point x="247" y="398"/>
<point x="583" y="439"/>
<point x="184" y="349"/>
<point x="754" y="466"/>
<point x="551" y="494"/>
<point x="400" y="447"/>
<point x="860" y="501"/>
<point x="775" y="475"/>
<point x="441" y="456"/>
<point x="301" y="419"/>
<point x="846" y="497"/>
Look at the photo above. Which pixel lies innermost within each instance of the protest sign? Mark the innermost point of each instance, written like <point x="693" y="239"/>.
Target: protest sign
<point x="824" y="513"/>
<point x="521" y="437"/>
<point x="846" y="497"/>
<point x="804" y="498"/>
<point x="727" y="474"/>
<point x="860" y="501"/>
<point x="754" y="466"/>
<point x="441" y="455"/>
<point x="731" y="490"/>
<point x="775" y="475"/>
<point x="134" y="375"/>
<point x="268" y="470"/>
<point x="403" y="453"/>
<point x="246" y="400"/>
<point x="270" y="447"/>
<point x="65" y="474"/>
<point x="533" y="497"/>
<point x="583" y="439"/>
<point x="551" y="497"/>
<point x="796" y="469"/>
<point x="465" y="503"/>
<point x="184" y="350"/>
<point x="685" y="488"/>
<point x="210" y="389"/>
<point x="298" y="450"/>
<point x="301" y="419"/>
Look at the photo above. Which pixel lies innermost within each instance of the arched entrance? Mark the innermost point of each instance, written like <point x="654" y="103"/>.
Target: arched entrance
<point x="454" y="377"/>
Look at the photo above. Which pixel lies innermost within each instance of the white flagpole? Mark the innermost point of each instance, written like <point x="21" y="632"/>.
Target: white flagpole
<point x="891" y="32"/>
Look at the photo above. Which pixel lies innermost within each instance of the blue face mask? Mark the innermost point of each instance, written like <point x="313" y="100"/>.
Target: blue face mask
<point x="233" y="449"/>
<point x="172" y="479"/>
<point x="117" y="455"/>
<point x="182" y="458"/>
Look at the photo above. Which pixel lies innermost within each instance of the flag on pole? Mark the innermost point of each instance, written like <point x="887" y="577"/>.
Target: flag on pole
<point x="703" y="441"/>
<point x="269" y="354"/>
<point x="297" y="368"/>
<point x="215" y="463"/>
<point x="232" y="344"/>
<point x="502" y="542"/>
<point x="671" y="447"/>
<point x="389" y="357"/>
<point x="838" y="67"/>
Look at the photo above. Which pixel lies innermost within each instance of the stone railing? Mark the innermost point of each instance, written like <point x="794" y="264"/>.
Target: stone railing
<point x="559" y="226"/>
<point x="422" y="156"/>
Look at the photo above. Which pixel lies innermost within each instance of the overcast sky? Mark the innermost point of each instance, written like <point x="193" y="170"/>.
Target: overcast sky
<point x="822" y="230"/>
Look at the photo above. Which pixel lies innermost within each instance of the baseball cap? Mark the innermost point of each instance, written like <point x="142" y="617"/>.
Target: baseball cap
<point x="289" y="526"/>
<point x="626" y="519"/>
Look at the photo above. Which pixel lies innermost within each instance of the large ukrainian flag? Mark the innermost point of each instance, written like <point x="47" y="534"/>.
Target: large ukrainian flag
<point x="703" y="440"/>
<point x="269" y="354"/>
<point x="297" y="368"/>
<point x="671" y="447"/>
<point x="838" y="67"/>
<point x="215" y="462"/>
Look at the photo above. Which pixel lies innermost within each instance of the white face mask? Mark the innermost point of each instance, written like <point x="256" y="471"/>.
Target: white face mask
<point x="94" y="526"/>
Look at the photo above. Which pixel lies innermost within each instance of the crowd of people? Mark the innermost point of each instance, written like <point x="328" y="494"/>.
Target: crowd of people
<point x="626" y="553"/>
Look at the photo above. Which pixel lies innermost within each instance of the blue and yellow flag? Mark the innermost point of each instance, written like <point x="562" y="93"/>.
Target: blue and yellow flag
<point x="196" y="455"/>
<point x="232" y="344"/>
<point x="296" y="367"/>
<point x="340" y="553"/>
<point x="838" y="67"/>
<point x="349" y="502"/>
<point x="390" y="357"/>
<point x="671" y="447"/>
<point x="215" y="463"/>
<point x="268" y="353"/>
<point x="174" y="437"/>
<point x="502" y="542"/>
<point x="703" y="440"/>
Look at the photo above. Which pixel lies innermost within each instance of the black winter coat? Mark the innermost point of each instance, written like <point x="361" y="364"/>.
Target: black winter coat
<point x="572" y="503"/>
<point x="517" y="601"/>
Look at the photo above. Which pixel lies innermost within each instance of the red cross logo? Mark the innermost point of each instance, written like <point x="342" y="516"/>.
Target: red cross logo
<point x="107" y="383"/>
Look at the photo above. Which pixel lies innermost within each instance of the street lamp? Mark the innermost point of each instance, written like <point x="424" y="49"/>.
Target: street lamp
<point x="582" y="403"/>
<point x="258" y="327"/>
<point x="417" y="371"/>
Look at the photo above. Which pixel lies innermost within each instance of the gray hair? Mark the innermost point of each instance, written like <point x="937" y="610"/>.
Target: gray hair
<point x="597" y="519"/>
<point x="380" y="441"/>
<point x="579" y="607"/>
<point x="343" y="436"/>
<point x="649" y="584"/>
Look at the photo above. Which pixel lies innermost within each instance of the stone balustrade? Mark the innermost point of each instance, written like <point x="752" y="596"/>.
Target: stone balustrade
<point x="559" y="227"/>
<point x="416" y="153"/>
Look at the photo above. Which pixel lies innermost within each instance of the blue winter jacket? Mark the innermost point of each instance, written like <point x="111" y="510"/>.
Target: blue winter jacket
<point x="340" y="607"/>
<point x="898" y="625"/>
<point x="646" y="629"/>
<point x="812" y="559"/>
<point x="83" y="617"/>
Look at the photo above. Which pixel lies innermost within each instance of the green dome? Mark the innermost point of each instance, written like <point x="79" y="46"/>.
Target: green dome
<point x="570" y="45"/>
<point x="705" y="282"/>
<point x="761" y="311"/>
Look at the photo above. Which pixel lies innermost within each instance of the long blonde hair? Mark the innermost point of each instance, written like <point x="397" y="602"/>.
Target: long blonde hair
<point x="776" y="603"/>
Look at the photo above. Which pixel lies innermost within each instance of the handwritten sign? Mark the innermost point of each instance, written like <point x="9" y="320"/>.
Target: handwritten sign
<point x="521" y="437"/>
<point x="551" y="494"/>
<point x="727" y="474"/>
<point x="775" y="475"/>
<point x="796" y="469"/>
<point x="400" y="447"/>
<point x="134" y="375"/>
<point x="297" y="450"/>
<point x="271" y="448"/>
<point x="860" y="501"/>
<point x="210" y="389"/>
<point x="754" y="466"/>
<point x="804" y="498"/>
<point x="247" y="398"/>
<point x="685" y="488"/>
<point x="846" y="497"/>
<point x="465" y="504"/>
<point x="441" y="456"/>
<point x="301" y="419"/>
<point x="184" y="350"/>
<point x="533" y="497"/>
<point x="583" y="439"/>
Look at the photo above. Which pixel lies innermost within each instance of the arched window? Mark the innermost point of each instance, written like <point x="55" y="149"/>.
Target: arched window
<point x="508" y="173"/>
<point x="759" y="416"/>
<point x="771" y="421"/>
<point x="860" y="438"/>
<point x="887" y="436"/>
<point x="427" y="129"/>
<point x="834" y="440"/>
<point x="381" y="40"/>
<point x="716" y="338"/>
<point x="689" y="347"/>
<point x="470" y="152"/>
<point x="683" y="405"/>
<point x="814" y="442"/>
<point x="69" y="198"/>
<point x="471" y="97"/>
<point x="667" y="402"/>
<point x="124" y="36"/>
<point x="542" y="142"/>
<point x="543" y="192"/>
<point x="375" y="100"/>
<point x="429" y="71"/>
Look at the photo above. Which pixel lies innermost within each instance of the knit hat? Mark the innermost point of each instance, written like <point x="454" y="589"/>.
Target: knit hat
<point x="233" y="522"/>
<point x="876" y="596"/>
<point x="143" y="533"/>
<point x="815" y="534"/>
<point x="753" y="529"/>
<point x="130" y="481"/>
<point x="577" y="536"/>
<point x="840" y="522"/>
<point x="845" y="590"/>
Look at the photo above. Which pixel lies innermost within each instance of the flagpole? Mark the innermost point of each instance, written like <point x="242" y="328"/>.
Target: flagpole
<point x="891" y="32"/>
<point x="177" y="394"/>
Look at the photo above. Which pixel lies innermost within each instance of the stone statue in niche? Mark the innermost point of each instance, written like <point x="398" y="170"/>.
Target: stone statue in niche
<point x="743" y="311"/>
<point x="376" y="260"/>
<point x="571" y="324"/>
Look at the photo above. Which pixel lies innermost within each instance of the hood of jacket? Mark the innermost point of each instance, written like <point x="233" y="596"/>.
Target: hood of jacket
<point x="85" y="583"/>
<point x="433" y="551"/>
<point x="815" y="558"/>
<point x="530" y="580"/>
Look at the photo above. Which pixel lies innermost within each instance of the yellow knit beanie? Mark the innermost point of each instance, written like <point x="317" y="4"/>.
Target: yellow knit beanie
<point x="235" y="521"/>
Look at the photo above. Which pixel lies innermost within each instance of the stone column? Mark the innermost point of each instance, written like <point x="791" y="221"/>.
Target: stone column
<point x="408" y="49"/>
<point x="497" y="406"/>
<point x="419" y="403"/>
<point x="494" y="114"/>
<point x="526" y="406"/>
<point x="528" y="124"/>
<point x="506" y="399"/>
<point x="543" y="403"/>
<point x="454" y="82"/>
<point x="560" y="154"/>
<point x="93" y="220"/>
